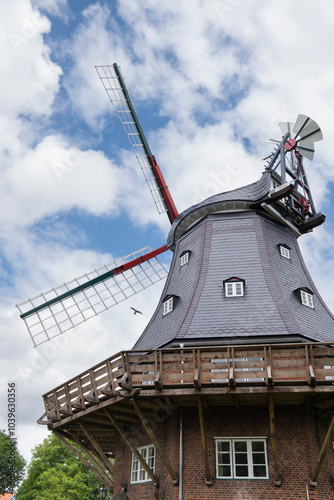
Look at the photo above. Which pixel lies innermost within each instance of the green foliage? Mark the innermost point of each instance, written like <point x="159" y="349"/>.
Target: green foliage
<point x="55" y="473"/>
<point x="12" y="464"/>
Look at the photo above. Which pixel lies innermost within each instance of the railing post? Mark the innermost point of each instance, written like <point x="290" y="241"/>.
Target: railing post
<point x="310" y="366"/>
<point x="268" y="363"/>
<point x="197" y="368"/>
<point x="126" y="382"/>
<point x="231" y="368"/>
<point x="158" y="365"/>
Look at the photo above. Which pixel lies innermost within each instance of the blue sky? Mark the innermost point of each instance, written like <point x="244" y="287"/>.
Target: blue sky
<point x="211" y="80"/>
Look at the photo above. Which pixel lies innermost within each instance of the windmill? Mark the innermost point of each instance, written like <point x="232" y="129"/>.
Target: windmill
<point x="240" y="327"/>
<point x="54" y="312"/>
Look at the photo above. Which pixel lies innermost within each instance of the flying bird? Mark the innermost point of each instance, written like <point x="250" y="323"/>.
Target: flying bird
<point x="135" y="311"/>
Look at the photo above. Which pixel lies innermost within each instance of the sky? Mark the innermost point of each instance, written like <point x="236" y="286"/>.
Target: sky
<point x="210" y="79"/>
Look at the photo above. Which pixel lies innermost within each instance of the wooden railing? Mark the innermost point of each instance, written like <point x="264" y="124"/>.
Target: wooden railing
<point x="156" y="370"/>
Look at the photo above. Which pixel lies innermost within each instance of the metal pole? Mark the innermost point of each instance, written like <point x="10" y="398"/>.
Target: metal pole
<point x="282" y="151"/>
<point x="181" y="455"/>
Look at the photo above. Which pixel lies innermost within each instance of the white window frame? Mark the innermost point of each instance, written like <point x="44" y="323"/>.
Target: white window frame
<point x="138" y="473"/>
<point x="184" y="259"/>
<point x="307" y="299"/>
<point x="234" y="289"/>
<point x="230" y="460"/>
<point x="285" y="252"/>
<point x="167" y="306"/>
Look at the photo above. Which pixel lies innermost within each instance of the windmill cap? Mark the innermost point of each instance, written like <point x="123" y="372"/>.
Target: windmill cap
<point x="237" y="199"/>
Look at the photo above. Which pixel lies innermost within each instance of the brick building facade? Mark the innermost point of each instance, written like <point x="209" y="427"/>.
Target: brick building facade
<point x="300" y="433"/>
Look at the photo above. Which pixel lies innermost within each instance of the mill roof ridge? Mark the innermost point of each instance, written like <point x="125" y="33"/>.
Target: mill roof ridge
<point x="248" y="194"/>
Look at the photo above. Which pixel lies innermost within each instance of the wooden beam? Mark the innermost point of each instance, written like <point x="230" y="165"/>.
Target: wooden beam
<point x="85" y="448"/>
<point x="314" y="400"/>
<point x="322" y="454"/>
<point x="98" y="420"/>
<point x="187" y="391"/>
<point x="156" y="443"/>
<point x="134" y="450"/>
<point x="277" y="481"/>
<point x="208" y="477"/>
<point x="98" y="471"/>
<point x="102" y="456"/>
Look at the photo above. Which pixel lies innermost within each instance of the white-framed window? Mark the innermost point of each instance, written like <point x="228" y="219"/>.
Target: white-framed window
<point x="167" y="306"/>
<point x="306" y="298"/>
<point x="241" y="458"/>
<point x="138" y="473"/>
<point x="284" y="251"/>
<point x="234" y="288"/>
<point x="184" y="258"/>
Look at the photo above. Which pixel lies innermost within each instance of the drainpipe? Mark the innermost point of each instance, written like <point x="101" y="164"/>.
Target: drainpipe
<point x="181" y="455"/>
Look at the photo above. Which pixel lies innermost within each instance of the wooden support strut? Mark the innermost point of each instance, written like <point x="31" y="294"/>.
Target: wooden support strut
<point x="100" y="454"/>
<point x="155" y="441"/>
<point x="322" y="454"/>
<point x="277" y="481"/>
<point x="139" y="457"/>
<point x="97" y="470"/>
<point x="208" y="477"/>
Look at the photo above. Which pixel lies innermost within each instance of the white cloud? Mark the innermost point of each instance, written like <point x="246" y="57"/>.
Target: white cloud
<point x="57" y="8"/>
<point x="29" y="78"/>
<point x="55" y="177"/>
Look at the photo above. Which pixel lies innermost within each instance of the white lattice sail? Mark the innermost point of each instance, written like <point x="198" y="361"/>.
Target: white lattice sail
<point x="128" y="117"/>
<point x="54" y="312"/>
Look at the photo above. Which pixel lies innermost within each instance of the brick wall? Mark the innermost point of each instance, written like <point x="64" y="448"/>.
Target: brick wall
<point x="300" y="434"/>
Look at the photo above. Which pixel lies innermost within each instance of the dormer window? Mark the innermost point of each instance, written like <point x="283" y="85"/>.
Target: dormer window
<point x="284" y="250"/>
<point x="234" y="287"/>
<point x="306" y="296"/>
<point x="168" y="304"/>
<point x="184" y="258"/>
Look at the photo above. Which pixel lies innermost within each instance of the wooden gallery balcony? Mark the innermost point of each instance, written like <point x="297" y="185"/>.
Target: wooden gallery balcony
<point x="226" y="376"/>
<point x="93" y="409"/>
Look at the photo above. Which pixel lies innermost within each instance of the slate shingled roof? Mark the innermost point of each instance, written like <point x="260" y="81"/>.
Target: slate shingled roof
<point x="238" y="242"/>
<point x="241" y="197"/>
